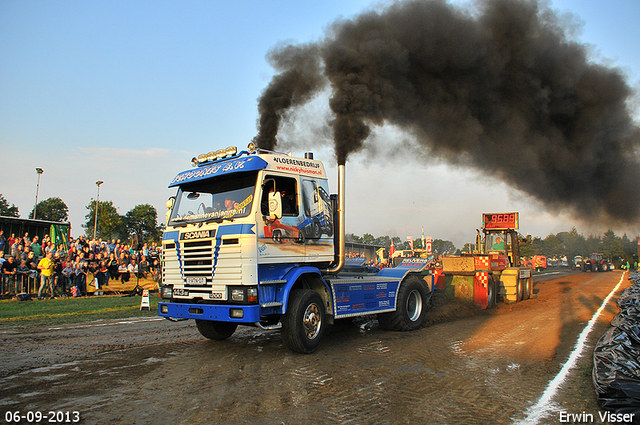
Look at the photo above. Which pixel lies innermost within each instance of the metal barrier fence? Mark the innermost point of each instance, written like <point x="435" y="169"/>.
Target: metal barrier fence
<point x="28" y="283"/>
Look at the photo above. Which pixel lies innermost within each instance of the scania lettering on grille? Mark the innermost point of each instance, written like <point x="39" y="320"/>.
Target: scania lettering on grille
<point x="196" y="234"/>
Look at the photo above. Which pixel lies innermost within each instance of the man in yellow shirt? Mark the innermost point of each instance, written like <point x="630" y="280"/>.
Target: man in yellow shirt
<point x="46" y="274"/>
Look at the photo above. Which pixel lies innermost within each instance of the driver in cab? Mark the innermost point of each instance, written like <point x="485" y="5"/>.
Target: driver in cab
<point x="498" y="245"/>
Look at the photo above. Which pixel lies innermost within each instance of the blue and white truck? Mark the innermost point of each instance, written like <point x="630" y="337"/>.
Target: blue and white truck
<point x="224" y="267"/>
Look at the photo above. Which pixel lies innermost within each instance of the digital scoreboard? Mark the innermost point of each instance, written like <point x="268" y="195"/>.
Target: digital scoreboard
<point x="500" y="221"/>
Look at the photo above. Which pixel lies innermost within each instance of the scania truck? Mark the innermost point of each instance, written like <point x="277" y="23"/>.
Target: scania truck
<point x="253" y="238"/>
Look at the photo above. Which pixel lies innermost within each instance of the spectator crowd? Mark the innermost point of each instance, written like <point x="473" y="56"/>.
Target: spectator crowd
<point x="28" y="264"/>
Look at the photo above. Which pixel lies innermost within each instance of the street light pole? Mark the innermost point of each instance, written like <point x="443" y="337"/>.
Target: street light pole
<point x="35" y="207"/>
<point x="95" y="224"/>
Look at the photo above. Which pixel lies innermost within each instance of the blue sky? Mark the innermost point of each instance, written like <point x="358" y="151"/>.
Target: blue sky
<point x="127" y="92"/>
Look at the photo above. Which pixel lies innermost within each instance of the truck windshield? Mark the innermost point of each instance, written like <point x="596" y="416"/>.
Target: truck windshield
<point x="223" y="198"/>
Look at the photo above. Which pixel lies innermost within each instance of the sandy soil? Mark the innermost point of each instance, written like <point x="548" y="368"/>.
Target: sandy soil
<point x="467" y="366"/>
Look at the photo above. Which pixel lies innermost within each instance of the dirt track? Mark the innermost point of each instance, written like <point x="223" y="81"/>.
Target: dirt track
<point x="467" y="367"/>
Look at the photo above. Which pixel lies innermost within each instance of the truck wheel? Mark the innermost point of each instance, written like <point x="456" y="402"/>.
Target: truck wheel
<point x="411" y="305"/>
<point x="528" y="288"/>
<point x="603" y="267"/>
<point x="519" y="290"/>
<point x="303" y="325"/>
<point x="491" y="293"/>
<point x="594" y="267"/>
<point x="215" y="330"/>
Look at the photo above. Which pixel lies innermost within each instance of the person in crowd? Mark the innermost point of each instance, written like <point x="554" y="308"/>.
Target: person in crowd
<point x="9" y="269"/>
<point x="124" y="257"/>
<point x="22" y="275"/>
<point x="32" y="263"/>
<point x="57" y="273"/>
<point x="112" y="266"/>
<point x="46" y="266"/>
<point x="124" y="273"/>
<point x="102" y="275"/>
<point x="16" y="249"/>
<point x="67" y="276"/>
<point x="35" y="247"/>
<point x="143" y="266"/>
<point x="154" y="269"/>
<point x="72" y="253"/>
<point x="25" y="239"/>
<point x="3" y="241"/>
<point x="25" y="253"/>
<point x="132" y="268"/>
<point x="80" y="278"/>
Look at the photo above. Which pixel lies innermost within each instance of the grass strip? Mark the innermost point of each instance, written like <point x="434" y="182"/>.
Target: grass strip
<point x="72" y="310"/>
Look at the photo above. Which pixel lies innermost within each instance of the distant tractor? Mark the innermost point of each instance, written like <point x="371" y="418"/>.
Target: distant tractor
<point x="596" y="263"/>
<point x="493" y="270"/>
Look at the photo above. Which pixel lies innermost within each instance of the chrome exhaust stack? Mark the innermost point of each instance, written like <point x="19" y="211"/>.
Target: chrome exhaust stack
<point x="338" y="261"/>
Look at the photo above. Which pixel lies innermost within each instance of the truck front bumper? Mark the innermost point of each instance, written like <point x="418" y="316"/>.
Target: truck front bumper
<point x="246" y="314"/>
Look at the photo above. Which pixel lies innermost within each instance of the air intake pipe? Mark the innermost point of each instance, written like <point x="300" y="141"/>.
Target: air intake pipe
<point x="338" y="234"/>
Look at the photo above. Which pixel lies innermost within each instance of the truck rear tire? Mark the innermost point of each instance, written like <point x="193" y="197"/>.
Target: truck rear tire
<point x="215" y="330"/>
<point x="411" y="307"/>
<point x="303" y="325"/>
<point x="528" y="288"/>
<point x="519" y="290"/>
<point x="491" y="292"/>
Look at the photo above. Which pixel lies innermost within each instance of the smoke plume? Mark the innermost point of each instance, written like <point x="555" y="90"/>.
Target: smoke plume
<point x="502" y="88"/>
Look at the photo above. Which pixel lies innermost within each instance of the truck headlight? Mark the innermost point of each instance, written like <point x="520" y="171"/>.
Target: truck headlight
<point x="244" y="294"/>
<point x="237" y="295"/>
<point x="166" y="291"/>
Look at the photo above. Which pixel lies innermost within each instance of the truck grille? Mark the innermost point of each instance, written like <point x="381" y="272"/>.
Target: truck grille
<point x="197" y="262"/>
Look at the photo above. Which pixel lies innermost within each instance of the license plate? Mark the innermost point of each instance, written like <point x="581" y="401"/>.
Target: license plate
<point x="196" y="281"/>
<point x="181" y="292"/>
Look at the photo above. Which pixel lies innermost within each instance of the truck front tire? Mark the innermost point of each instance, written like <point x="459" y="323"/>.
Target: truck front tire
<point x="411" y="307"/>
<point x="303" y="324"/>
<point x="215" y="330"/>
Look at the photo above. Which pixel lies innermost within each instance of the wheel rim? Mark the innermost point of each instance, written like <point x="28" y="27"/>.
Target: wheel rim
<point x="312" y="321"/>
<point x="414" y="305"/>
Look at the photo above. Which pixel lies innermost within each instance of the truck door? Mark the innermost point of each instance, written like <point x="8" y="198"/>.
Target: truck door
<point x="280" y="239"/>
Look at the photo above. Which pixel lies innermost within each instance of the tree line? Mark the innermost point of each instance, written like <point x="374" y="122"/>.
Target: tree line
<point x="140" y="221"/>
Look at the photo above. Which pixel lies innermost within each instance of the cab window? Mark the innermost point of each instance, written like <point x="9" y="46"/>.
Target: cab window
<point x="288" y="191"/>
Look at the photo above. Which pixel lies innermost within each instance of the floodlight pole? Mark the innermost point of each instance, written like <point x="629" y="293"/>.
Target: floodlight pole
<point x="95" y="224"/>
<point x="35" y="207"/>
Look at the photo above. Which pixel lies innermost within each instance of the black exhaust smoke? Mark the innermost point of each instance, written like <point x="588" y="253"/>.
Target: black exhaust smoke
<point x="502" y="88"/>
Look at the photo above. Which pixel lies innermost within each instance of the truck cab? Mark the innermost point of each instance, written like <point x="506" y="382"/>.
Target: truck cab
<point x="251" y="240"/>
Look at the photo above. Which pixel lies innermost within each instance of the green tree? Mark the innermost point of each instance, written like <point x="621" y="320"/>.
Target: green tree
<point x="52" y="209"/>
<point x="593" y="245"/>
<point x="109" y="221"/>
<point x="6" y="210"/>
<point x="442" y="247"/>
<point x="142" y="221"/>
<point x="612" y="246"/>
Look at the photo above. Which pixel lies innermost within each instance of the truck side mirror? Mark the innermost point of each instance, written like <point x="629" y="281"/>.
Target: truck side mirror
<point x="169" y="204"/>
<point x="275" y="206"/>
